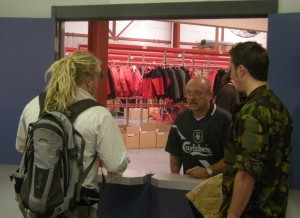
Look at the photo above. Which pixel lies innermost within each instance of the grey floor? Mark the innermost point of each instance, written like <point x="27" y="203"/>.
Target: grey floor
<point x="154" y="160"/>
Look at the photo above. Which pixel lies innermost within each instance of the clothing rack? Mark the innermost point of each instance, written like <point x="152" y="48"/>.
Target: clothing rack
<point x="144" y="56"/>
<point x="149" y="55"/>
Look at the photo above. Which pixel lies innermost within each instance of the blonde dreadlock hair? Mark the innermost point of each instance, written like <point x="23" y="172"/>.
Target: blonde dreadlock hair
<point x="66" y="75"/>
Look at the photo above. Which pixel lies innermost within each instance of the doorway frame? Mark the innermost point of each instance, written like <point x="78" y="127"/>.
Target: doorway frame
<point x="178" y="10"/>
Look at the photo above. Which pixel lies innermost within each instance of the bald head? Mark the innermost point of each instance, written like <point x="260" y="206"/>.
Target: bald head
<point x="201" y="82"/>
<point x="198" y="96"/>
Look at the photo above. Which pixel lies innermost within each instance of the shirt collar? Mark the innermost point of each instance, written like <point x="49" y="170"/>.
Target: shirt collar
<point x="210" y="112"/>
<point x="212" y="109"/>
<point x="83" y="94"/>
<point x="255" y="92"/>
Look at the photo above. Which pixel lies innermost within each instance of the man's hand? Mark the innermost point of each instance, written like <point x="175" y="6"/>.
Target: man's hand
<point x="197" y="172"/>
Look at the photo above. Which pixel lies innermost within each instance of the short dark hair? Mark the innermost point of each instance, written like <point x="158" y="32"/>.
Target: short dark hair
<point x="252" y="56"/>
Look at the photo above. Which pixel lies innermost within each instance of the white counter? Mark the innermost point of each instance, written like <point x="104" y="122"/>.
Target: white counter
<point x="174" y="181"/>
<point x="130" y="177"/>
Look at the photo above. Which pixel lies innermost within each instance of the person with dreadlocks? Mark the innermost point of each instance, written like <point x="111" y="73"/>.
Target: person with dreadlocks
<point x="75" y="78"/>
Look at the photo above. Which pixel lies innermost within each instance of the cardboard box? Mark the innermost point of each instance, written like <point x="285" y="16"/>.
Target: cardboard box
<point x="148" y="135"/>
<point x="148" y="139"/>
<point x="132" y="140"/>
<point x="130" y="135"/>
<point x="129" y="129"/>
<point x="162" y="134"/>
<point x="164" y="126"/>
<point x="148" y="126"/>
<point x="140" y="114"/>
<point x="161" y="139"/>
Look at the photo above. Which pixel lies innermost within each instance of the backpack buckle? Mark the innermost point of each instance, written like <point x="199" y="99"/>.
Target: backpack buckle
<point x="60" y="153"/>
<point x="73" y="153"/>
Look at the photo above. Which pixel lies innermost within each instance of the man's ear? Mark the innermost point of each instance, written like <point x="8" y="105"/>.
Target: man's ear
<point x="88" y="81"/>
<point x="86" y="84"/>
<point x="242" y="70"/>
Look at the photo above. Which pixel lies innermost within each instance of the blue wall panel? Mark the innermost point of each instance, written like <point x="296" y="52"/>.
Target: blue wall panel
<point x="284" y="50"/>
<point x="27" y="50"/>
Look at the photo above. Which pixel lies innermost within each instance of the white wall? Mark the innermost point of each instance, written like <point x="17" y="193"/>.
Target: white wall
<point x="139" y="29"/>
<point x="42" y="9"/>
<point x="145" y="29"/>
<point x="157" y="30"/>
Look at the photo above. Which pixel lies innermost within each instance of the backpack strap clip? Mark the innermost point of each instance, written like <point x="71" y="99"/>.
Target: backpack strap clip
<point x="73" y="153"/>
<point x="60" y="153"/>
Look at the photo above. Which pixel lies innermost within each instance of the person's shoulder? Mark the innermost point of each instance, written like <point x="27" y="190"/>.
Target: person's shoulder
<point x="228" y="89"/>
<point x="33" y="100"/>
<point x="182" y="115"/>
<point x="94" y="116"/>
<point x="32" y="103"/>
<point x="99" y="110"/>
<point x="184" y="112"/>
<point x="31" y="110"/>
<point x="222" y="113"/>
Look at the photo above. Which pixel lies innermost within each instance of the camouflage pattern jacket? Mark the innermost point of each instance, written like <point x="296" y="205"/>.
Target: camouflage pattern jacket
<point x="260" y="143"/>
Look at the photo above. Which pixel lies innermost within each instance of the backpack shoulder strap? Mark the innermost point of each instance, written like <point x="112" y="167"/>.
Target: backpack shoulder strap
<point x="42" y="97"/>
<point x="75" y="108"/>
<point x="81" y="106"/>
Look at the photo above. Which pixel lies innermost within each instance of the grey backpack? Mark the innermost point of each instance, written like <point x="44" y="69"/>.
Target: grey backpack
<point x="50" y="176"/>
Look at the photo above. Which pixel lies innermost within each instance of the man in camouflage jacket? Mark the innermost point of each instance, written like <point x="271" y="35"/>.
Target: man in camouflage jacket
<point x="256" y="173"/>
